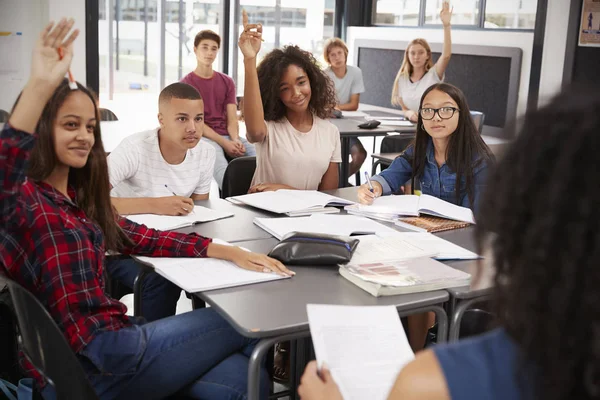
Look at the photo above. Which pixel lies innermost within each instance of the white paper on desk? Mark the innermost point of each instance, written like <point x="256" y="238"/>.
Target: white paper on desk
<point x="395" y="122"/>
<point x="443" y="249"/>
<point x="344" y="225"/>
<point x="392" y="247"/>
<point x="434" y="206"/>
<point x="202" y="274"/>
<point x="364" y="347"/>
<point x="354" y="114"/>
<point x="168" y="222"/>
<point x="282" y="201"/>
<point x="400" y="205"/>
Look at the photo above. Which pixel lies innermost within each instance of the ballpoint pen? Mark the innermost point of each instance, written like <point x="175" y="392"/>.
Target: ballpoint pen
<point x="369" y="182"/>
<point x="175" y="194"/>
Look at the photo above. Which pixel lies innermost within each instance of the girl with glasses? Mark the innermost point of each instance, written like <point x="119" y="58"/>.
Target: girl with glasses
<point x="448" y="158"/>
<point x="418" y="72"/>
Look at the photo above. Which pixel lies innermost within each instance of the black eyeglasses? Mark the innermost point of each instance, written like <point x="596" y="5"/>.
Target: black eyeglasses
<point x="443" y="112"/>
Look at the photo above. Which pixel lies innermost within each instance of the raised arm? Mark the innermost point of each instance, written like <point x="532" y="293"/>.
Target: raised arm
<point x="442" y="63"/>
<point x="249" y="44"/>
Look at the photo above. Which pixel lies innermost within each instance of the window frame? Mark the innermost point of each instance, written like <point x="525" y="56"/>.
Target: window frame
<point x="422" y="25"/>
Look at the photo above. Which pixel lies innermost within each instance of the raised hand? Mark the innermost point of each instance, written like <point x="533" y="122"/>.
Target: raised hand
<point x="446" y="13"/>
<point x="249" y="42"/>
<point x="47" y="67"/>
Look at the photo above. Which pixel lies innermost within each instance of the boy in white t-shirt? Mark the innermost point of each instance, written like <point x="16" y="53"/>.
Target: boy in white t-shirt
<point x="141" y="166"/>
<point x="162" y="171"/>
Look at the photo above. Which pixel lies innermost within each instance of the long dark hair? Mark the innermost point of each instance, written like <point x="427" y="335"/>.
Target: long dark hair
<point x="91" y="182"/>
<point x="541" y="218"/>
<point x="270" y="70"/>
<point x="466" y="149"/>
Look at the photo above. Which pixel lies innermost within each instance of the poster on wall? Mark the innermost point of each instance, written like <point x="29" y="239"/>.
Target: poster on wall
<point x="589" y="28"/>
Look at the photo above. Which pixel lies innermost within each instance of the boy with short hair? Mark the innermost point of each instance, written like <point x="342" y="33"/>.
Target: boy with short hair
<point x="218" y="91"/>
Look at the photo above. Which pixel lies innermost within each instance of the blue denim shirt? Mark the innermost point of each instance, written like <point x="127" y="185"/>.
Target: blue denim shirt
<point x="436" y="181"/>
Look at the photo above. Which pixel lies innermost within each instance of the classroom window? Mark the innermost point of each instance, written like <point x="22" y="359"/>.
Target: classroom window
<point x="465" y="12"/>
<point x="510" y="14"/>
<point x="394" y="12"/>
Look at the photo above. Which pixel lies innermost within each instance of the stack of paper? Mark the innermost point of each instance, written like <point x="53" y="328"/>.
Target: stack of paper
<point x="202" y="274"/>
<point x="344" y="225"/>
<point x="411" y="205"/>
<point x="167" y="222"/>
<point x="291" y="202"/>
<point x="364" y="347"/>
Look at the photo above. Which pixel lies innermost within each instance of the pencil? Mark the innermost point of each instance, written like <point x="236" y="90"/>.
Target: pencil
<point x="72" y="82"/>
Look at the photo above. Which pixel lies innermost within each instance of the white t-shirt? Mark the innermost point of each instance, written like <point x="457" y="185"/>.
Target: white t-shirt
<point x="411" y="92"/>
<point x="349" y="84"/>
<point x="137" y="168"/>
<point x="297" y="159"/>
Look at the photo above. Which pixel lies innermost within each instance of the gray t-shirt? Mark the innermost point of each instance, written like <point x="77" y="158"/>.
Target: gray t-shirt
<point x="351" y="83"/>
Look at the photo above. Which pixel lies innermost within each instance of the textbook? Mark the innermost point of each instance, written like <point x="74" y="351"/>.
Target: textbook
<point x="291" y="202"/>
<point x="344" y="225"/>
<point x="412" y="205"/>
<point x="168" y="222"/>
<point x="413" y="275"/>
<point x="364" y="347"/>
<point x="202" y="274"/>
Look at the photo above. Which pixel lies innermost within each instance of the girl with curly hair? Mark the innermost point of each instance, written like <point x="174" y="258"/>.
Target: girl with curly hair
<point x="287" y="102"/>
<point x="544" y="243"/>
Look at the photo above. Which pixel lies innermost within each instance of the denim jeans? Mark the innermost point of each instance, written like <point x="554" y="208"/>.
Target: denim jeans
<point x="197" y="355"/>
<point x="159" y="296"/>
<point x="220" y="160"/>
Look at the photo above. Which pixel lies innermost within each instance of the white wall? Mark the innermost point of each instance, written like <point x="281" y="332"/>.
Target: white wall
<point x="523" y="40"/>
<point x="30" y="17"/>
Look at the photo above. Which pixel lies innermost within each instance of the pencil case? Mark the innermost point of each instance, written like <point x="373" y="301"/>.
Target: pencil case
<point x="302" y="248"/>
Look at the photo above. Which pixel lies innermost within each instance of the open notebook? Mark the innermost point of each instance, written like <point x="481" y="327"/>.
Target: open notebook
<point x="202" y="274"/>
<point x="344" y="225"/>
<point x="364" y="347"/>
<point x="412" y="205"/>
<point x="167" y="222"/>
<point x="291" y="202"/>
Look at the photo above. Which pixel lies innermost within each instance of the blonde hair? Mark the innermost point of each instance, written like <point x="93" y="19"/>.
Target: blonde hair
<point x="330" y="44"/>
<point x="406" y="69"/>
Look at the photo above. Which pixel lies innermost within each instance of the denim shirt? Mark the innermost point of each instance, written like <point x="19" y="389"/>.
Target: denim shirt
<point x="436" y="181"/>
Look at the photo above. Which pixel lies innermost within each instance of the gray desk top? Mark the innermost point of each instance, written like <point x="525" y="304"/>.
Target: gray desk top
<point x="234" y="229"/>
<point x="278" y="308"/>
<point x="349" y="127"/>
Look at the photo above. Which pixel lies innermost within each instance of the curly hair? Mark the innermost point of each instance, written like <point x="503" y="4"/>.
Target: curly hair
<point x="271" y="69"/>
<point x="541" y="216"/>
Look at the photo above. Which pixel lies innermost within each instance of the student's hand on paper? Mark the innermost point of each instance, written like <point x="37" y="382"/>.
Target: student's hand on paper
<point x="446" y="13"/>
<point x="47" y="69"/>
<point x="173" y="205"/>
<point x="365" y="196"/>
<point x="259" y="262"/>
<point x="411" y="115"/>
<point x="315" y="387"/>
<point x="250" y="38"/>
<point x="231" y="148"/>
<point x="268" y="187"/>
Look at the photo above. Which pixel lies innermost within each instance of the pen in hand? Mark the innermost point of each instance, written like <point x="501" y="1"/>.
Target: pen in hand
<point x="369" y="183"/>
<point x="175" y="194"/>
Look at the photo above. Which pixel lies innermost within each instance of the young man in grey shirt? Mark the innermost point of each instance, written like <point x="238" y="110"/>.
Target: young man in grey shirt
<point x="348" y="81"/>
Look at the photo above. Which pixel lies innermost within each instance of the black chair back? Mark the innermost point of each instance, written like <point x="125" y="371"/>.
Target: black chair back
<point x="107" y="115"/>
<point x="4" y="116"/>
<point x="238" y="176"/>
<point x="46" y="347"/>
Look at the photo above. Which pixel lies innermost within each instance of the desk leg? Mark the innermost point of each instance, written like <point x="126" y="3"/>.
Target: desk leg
<point x="459" y="311"/>
<point x="345" y="143"/>
<point x="441" y="318"/>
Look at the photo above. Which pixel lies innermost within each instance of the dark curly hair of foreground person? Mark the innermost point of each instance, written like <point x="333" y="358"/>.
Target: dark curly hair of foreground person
<point x="270" y="70"/>
<point x="541" y="217"/>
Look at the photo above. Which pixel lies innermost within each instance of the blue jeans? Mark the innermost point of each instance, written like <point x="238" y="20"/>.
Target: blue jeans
<point x="196" y="354"/>
<point x="159" y="296"/>
<point x="220" y="160"/>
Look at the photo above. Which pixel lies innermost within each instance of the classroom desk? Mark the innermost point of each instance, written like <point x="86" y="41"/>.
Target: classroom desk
<point x="276" y="311"/>
<point x="234" y="229"/>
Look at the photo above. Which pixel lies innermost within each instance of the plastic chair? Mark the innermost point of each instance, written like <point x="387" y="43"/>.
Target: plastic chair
<point x="238" y="176"/>
<point x="391" y="144"/>
<point x="107" y="115"/>
<point x="45" y="346"/>
<point x="4" y="116"/>
<point x="478" y="118"/>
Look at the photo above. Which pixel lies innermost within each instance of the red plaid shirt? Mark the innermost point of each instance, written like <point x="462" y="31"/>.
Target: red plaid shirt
<point x="49" y="246"/>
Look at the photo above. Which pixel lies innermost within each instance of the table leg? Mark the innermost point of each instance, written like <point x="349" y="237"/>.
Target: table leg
<point x="459" y="311"/>
<point x="345" y="143"/>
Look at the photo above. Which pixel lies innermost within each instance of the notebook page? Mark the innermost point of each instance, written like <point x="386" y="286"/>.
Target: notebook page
<point x="167" y="222"/>
<point x="401" y="205"/>
<point x="445" y="249"/>
<point x="313" y="198"/>
<point x="372" y="248"/>
<point x="364" y="347"/>
<point x="440" y="208"/>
